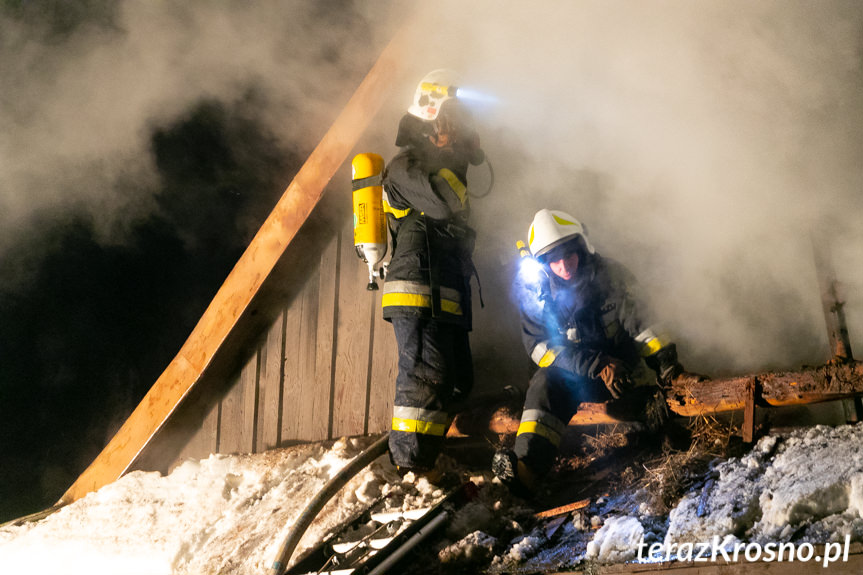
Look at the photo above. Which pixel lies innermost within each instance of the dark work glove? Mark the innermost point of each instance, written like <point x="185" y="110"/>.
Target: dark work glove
<point x="468" y="146"/>
<point x="664" y="363"/>
<point x="615" y="375"/>
<point x="453" y="159"/>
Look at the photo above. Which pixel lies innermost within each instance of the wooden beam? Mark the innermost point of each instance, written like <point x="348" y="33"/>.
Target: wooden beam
<point x="690" y="396"/>
<point x="568" y="508"/>
<point x="831" y="300"/>
<point x="749" y="412"/>
<point x="834" y="316"/>
<point x="245" y="280"/>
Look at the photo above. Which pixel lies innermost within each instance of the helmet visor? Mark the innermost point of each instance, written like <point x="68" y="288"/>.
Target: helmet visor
<point x="564" y="250"/>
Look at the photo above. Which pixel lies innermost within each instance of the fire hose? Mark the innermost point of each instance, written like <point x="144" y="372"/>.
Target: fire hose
<point x="375" y="450"/>
<point x="314" y="507"/>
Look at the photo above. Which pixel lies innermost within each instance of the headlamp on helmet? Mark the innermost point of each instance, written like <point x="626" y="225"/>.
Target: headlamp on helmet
<point x="433" y="91"/>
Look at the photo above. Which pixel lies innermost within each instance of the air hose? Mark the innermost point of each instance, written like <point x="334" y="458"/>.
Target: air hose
<point x="490" y="181"/>
<point x="314" y="507"/>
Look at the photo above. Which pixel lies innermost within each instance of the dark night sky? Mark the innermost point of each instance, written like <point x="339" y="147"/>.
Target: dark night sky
<point x="91" y="328"/>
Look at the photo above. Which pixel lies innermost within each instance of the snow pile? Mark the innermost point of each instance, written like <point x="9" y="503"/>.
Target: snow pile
<point x="224" y="514"/>
<point x="229" y="514"/>
<point x="806" y="486"/>
<point x="616" y="541"/>
<point x="475" y="547"/>
<point x="524" y="548"/>
<point x="473" y="532"/>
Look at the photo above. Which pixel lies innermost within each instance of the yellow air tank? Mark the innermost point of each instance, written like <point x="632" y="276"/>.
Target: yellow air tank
<point x="370" y="225"/>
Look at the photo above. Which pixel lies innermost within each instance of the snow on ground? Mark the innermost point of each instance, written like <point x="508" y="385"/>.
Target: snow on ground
<point x="229" y="514"/>
<point x="802" y="486"/>
<point x="224" y="514"/>
<point x="615" y="540"/>
<point x="806" y="486"/>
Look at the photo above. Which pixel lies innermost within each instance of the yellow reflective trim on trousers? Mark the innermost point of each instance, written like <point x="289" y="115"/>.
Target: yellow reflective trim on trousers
<point x="416" y="426"/>
<point x="459" y="188"/>
<point x="388" y="209"/>
<point x="651" y="347"/>
<point x="539" y="429"/>
<point x="418" y="300"/>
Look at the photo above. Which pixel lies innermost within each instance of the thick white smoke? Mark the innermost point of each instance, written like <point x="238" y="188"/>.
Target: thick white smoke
<point x="701" y="143"/>
<point x="79" y="109"/>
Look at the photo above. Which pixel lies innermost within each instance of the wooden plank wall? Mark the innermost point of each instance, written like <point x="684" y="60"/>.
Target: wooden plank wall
<point x="324" y="368"/>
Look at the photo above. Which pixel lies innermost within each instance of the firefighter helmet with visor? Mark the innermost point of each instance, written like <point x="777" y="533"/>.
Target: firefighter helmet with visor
<point x="434" y="90"/>
<point x="553" y="228"/>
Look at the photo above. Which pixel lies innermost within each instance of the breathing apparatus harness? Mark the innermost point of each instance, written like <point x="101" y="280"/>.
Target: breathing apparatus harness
<point x="426" y="120"/>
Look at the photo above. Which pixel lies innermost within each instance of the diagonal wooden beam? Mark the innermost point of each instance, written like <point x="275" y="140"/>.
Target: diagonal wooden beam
<point x="245" y="280"/>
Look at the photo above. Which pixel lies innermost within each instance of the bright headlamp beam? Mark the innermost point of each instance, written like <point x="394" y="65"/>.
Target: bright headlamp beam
<point x="474" y="96"/>
<point x="530" y="271"/>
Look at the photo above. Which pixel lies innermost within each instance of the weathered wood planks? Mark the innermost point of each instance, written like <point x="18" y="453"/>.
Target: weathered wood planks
<point x="353" y="336"/>
<point x="245" y="280"/>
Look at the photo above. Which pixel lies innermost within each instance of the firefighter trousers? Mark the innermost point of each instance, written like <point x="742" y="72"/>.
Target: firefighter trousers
<point x="435" y="367"/>
<point x="550" y="402"/>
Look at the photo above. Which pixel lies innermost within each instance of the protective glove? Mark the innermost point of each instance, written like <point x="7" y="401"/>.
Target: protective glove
<point x="616" y="377"/>
<point x="664" y="363"/>
<point x="468" y="146"/>
<point x="447" y="158"/>
<point x="690" y="377"/>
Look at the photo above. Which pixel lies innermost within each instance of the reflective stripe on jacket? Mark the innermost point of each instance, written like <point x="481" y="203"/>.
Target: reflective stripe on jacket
<point x="581" y="323"/>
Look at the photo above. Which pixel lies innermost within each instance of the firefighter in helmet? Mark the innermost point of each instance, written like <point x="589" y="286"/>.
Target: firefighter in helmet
<point x="426" y="295"/>
<point x="585" y="328"/>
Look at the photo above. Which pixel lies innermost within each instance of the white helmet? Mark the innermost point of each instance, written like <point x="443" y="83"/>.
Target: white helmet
<point x="435" y="89"/>
<point x="551" y="228"/>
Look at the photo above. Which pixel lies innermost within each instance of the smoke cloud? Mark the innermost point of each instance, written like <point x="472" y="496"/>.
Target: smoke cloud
<point x="78" y="110"/>
<point x="701" y="143"/>
<point x="141" y="147"/>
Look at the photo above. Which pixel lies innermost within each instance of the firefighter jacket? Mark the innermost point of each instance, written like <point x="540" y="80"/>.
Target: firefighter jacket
<point x="427" y="206"/>
<point x="579" y="325"/>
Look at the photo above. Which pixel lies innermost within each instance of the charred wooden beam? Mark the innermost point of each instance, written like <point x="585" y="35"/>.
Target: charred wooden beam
<point x="690" y="396"/>
<point x="832" y="301"/>
<point x="753" y="395"/>
<point x="833" y="305"/>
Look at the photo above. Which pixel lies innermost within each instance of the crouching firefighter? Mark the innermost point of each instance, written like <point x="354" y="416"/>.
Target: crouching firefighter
<point x="586" y="329"/>
<point x="426" y="295"/>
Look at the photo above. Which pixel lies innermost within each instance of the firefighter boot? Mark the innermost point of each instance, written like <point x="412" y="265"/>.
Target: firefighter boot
<point x="513" y="473"/>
